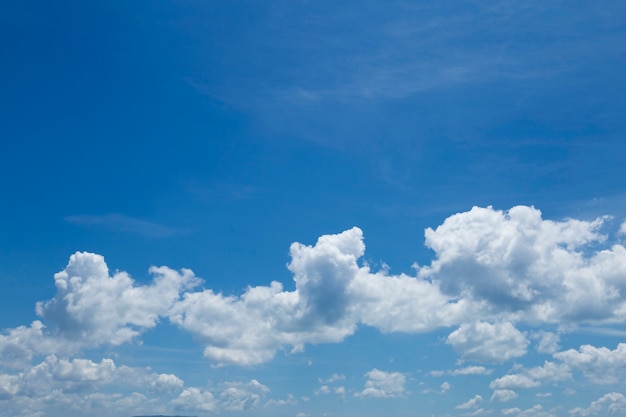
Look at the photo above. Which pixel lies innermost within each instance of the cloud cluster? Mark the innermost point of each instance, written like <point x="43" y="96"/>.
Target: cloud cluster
<point x="491" y="270"/>
<point x="471" y="403"/>
<point x="485" y="342"/>
<point x="94" y="308"/>
<point x="67" y="384"/>
<point x="612" y="403"/>
<point x="381" y="384"/>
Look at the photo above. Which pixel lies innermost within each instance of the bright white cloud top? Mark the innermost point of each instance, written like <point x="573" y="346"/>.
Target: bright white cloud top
<point x="496" y="279"/>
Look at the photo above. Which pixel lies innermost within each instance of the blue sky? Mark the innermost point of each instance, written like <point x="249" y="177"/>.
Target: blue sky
<point x="295" y="208"/>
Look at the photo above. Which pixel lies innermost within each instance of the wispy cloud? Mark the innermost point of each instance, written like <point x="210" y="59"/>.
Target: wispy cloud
<point x="122" y="223"/>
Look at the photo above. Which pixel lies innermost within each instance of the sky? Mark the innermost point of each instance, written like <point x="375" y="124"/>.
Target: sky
<point x="312" y="208"/>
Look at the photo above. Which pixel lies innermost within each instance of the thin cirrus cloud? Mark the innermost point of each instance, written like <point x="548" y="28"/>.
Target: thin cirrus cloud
<point x="122" y="223"/>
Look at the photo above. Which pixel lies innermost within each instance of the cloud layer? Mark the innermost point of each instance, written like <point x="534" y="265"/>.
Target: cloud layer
<point x="493" y="273"/>
<point x="491" y="270"/>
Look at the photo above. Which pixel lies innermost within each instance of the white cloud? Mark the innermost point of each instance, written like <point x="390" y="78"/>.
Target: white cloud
<point x="503" y="395"/>
<point x="550" y="371"/>
<point x="239" y="396"/>
<point x="490" y="265"/>
<point x="471" y="403"/>
<point x="445" y="387"/>
<point x="600" y="365"/>
<point x="381" y="384"/>
<point x="333" y="378"/>
<point x="324" y="389"/>
<point x="612" y="403"/>
<point x="548" y="342"/>
<point x="249" y="329"/>
<point x="195" y="400"/>
<point x="91" y="308"/>
<point x="77" y="374"/>
<point x="472" y="370"/>
<point x="333" y="294"/>
<point x="513" y="381"/>
<point x="622" y="229"/>
<point x="487" y="342"/>
<point x="290" y="400"/>
<point x="341" y="392"/>
<point x="18" y="345"/>
<point x="529" y="268"/>
<point x="532" y="377"/>
<point x="535" y="411"/>
<point x="166" y="383"/>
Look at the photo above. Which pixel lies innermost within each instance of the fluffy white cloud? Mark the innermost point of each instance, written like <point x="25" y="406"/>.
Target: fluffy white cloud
<point x="535" y="411"/>
<point x="495" y="266"/>
<point x="77" y="375"/>
<point x="600" y="364"/>
<point x="91" y="307"/>
<point x="526" y="267"/>
<point x="18" y="345"/>
<point x="472" y="370"/>
<point x="381" y="384"/>
<point x="239" y="396"/>
<point x="333" y="294"/>
<point x="166" y="383"/>
<point x="487" y="342"/>
<point x="195" y="400"/>
<point x="612" y="403"/>
<point x="503" y="395"/>
<point x="249" y="329"/>
<point x="290" y="400"/>
<point x="532" y="377"/>
<point x="471" y="403"/>
<point x="513" y="381"/>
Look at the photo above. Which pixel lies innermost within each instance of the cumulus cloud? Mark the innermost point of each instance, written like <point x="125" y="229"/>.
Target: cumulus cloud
<point x="535" y="411"/>
<point x="381" y="384"/>
<point x="333" y="294"/>
<point x="471" y="403"/>
<point x="610" y="404"/>
<point x="526" y="267"/>
<point x="487" y="342"/>
<point x="532" y="377"/>
<point x="599" y="364"/>
<point x="92" y="308"/>
<point x="445" y="387"/>
<point x="18" y="345"/>
<point x="290" y="400"/>
<point x="239" y="396"/>
<point x="195" y="400"/>
<point x="513" y="381"/>
<point x="333" y="378"/>
<point x="491" y="269"/>
<point x="503" y="395"/>
<point x="472" y="370"/>
<point x="77" y="375"/>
